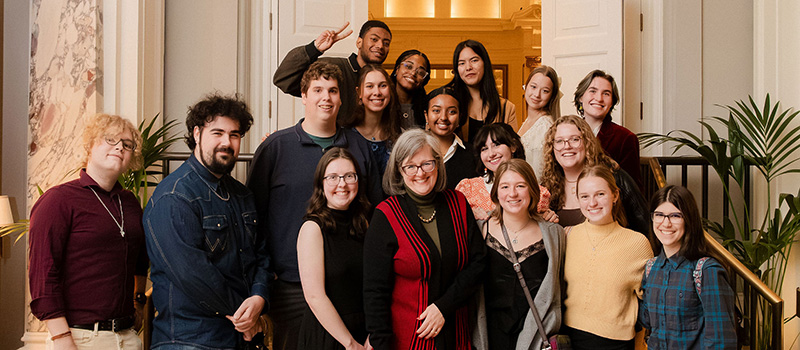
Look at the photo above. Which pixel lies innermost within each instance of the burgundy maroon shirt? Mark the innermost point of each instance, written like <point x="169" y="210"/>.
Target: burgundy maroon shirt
<point x="80" y="265"/>
<point x="623" y="146"/>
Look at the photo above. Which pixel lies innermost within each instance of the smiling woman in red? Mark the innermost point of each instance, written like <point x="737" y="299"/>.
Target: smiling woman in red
<point x="423" y="254"/>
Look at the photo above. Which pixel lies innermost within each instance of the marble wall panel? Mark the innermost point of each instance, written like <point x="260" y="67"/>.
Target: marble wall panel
<point x="65" y="88"/>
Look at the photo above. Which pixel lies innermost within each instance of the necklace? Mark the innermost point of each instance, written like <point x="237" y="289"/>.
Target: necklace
<point x="572" y="185"/>
<point x="604" y="236"/>
<point x="428" y="220"/>
<point x="517" y="232"/>
<point x="121" y="213"/>
<point x="227" y="195"/>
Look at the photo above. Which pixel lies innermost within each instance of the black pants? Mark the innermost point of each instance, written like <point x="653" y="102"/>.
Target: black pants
<point x="584" y="340"/>
<point x="287" y="306"/>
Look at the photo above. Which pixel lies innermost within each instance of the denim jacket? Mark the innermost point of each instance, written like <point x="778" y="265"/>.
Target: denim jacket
<point x="207" y="256"/>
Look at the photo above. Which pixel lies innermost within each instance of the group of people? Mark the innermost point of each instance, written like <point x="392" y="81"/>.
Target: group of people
<point x="386" y="218"/>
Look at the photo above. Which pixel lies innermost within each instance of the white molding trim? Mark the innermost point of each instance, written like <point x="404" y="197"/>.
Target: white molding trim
<point x="133" y="52"/>
<point x="34" y="340"/>
<point x="653" y="83"/>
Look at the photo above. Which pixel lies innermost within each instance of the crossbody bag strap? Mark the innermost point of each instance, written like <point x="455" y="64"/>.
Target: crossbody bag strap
<point x="518" y="270"/>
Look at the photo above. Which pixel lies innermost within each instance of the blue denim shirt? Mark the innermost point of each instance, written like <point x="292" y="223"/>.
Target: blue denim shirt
<point x="680" y="318"/>
<point x="207" y="256"/>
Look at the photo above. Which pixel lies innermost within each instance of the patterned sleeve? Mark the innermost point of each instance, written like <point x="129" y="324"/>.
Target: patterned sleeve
<point x="718" y="302"/>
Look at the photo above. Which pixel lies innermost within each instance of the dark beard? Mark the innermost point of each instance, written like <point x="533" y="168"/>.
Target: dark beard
<point x="217" y="166"/>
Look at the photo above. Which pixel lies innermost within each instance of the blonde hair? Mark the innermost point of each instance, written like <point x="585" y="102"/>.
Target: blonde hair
<point x="553" y="175"/>
<point x="603" y="172"/>
<point x="103" y="124"/>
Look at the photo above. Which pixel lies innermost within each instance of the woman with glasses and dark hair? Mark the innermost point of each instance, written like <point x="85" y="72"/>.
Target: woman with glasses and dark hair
<point x="442" y="120"/>
<point x="88" y="261"/>
<point x="410" y="75"/>
<point x="602" y="267"/>
<point x="330" y="256"/>
<point x="423" y="254"/>
<point x="541" y="96"/>
<point x="377" y="114"/>
<point x="495" y="144"/>
<point x="570" y="146"/>
<point x="475" y="86"/>
<point x="595" y="98"/>
<point x="688" y="302"/>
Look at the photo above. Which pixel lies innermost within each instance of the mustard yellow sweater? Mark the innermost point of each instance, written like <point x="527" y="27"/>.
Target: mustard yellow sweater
<point x="603" y="271"/>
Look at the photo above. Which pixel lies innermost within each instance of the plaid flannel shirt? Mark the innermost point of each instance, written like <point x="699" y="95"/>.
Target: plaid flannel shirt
<point x="677" y="316"/>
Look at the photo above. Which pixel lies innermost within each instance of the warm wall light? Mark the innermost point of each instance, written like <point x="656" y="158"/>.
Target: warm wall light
<point x="6" y="217"/>
<point x="475" y="9"/>
<point x="411" y="8"/>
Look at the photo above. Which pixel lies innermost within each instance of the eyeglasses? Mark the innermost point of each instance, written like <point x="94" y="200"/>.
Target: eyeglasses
<point x="127" y="145"/>
<point x="574" y="142"/>
<point x="674" y="218"/>
<point x="419" y="71"/>
<point x="426" y="166"/>
<point x="333" y="179"/>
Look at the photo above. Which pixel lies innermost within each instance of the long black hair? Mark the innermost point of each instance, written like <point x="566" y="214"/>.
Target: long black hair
<point x="488" y="86"/>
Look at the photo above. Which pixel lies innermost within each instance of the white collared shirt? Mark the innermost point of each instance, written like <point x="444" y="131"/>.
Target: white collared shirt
<point x="452" y="150"/>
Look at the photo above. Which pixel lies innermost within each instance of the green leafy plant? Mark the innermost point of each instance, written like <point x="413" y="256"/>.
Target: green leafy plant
<point x="765" y="139"/>
<point x="154" y="144"/>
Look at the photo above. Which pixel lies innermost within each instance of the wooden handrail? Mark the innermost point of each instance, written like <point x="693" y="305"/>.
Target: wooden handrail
<point x="734" y="265"/>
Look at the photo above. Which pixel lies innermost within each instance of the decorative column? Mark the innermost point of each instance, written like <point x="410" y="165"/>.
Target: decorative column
<point x="65" y="88"/>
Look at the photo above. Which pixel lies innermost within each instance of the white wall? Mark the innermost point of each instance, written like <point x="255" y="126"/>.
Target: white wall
<point x="776" y="55"/>
<point x="16" y="43"/>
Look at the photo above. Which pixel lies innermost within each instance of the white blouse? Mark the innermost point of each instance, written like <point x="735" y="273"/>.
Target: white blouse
<point x="533" y="142"/>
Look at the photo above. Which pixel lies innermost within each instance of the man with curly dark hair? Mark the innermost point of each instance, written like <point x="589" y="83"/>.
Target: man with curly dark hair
<point x="209" y="266"/>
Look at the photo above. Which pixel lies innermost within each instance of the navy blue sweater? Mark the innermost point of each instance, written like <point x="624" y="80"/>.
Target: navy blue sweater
<point x="282" y="177"/>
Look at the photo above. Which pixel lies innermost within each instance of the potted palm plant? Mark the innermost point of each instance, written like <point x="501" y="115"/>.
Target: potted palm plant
<point x="764" y="138"/>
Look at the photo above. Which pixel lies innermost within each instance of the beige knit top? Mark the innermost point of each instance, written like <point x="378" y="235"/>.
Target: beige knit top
<point x="603" y="271"/>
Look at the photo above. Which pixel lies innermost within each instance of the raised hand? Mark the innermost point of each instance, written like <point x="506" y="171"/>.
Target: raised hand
<point x="329" y="37"/>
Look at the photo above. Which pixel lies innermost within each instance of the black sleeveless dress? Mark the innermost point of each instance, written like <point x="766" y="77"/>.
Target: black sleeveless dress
<point x="344" y="270"/>
<point x="506" y="305"/>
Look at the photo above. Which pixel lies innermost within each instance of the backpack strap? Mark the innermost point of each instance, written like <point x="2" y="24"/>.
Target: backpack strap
<point x="648" y="266"/>
<point x="698" y="274"/>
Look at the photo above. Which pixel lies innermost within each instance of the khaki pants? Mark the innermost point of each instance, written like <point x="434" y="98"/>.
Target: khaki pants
<point x="102" y="340"/>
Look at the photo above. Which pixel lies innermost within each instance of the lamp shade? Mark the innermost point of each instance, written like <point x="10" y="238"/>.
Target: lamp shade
<point x="6" y="217"/>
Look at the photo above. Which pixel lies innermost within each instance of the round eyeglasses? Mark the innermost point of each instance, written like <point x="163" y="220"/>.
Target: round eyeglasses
<point x="334" y="179"/>
<point x="419" y="71"/>
<point x="426" y="166"/>
<point x="574" y="142"/>
<point x="127" y="145"/>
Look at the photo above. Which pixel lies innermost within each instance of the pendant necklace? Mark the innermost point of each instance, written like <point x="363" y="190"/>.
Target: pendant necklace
<point x="428" y="220"/>
<point x="121" y="213"/>
<point x="517" y="232"/>
<point x="572" y="185"/>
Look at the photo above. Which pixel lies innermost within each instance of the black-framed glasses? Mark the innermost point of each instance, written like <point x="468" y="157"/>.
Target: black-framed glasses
<point x="574" y="142"/>
<point x="127" y="145"/>
<point x="674" y="218"/>
<point x="426" y="166"/>
<point x="419" y="71"/>
<point x="333" y="179"/>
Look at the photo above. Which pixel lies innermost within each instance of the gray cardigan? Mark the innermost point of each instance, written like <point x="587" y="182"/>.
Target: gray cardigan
<point x="547" y="299"/>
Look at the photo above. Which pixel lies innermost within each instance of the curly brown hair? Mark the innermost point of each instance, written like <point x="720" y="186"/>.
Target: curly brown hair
<point x="553" y="175"/>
